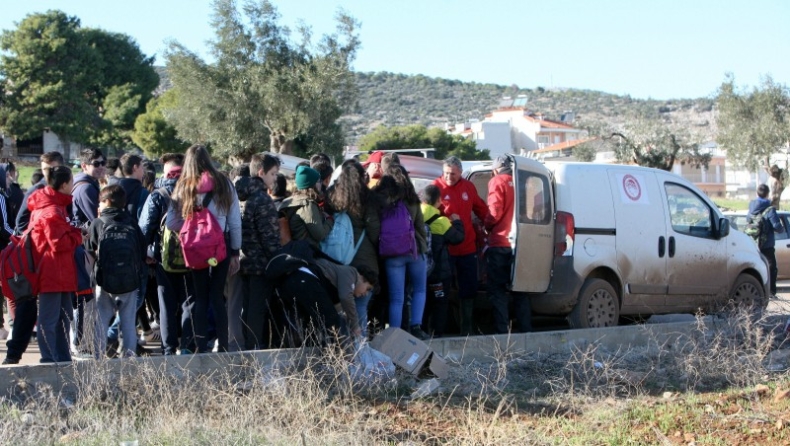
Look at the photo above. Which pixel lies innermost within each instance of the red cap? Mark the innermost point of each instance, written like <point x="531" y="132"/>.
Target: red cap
<point x="374" y="157"/>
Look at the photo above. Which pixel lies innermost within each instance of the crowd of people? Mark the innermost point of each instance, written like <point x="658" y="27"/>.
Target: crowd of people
<point x="122" y="264"/>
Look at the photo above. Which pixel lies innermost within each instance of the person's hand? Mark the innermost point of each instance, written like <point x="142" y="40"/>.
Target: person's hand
<point x="150" y="261"/>
<point x="234" y="265"/>
<point x="454" y="217"/>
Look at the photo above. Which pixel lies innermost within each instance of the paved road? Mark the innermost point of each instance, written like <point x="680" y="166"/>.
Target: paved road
<point x="780" y="306"/>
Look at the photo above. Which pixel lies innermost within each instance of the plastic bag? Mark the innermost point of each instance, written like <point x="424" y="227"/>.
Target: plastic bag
<point x="370" y="366"/>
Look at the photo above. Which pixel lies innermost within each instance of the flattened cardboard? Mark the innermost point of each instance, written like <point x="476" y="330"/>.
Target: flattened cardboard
<point x="409" y="353"/>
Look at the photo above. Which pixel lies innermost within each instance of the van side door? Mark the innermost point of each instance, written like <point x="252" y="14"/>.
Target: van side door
<point x="640" y="238"/>
<point x="533" y="220"/>
<point x="696" y="256"/>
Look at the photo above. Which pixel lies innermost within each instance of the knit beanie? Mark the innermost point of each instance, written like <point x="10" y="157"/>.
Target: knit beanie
<point x="306" y="177"/>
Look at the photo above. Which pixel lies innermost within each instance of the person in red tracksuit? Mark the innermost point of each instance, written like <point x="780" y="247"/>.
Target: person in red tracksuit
<point x="499" y="255"/>
<point x="459" y="196"/>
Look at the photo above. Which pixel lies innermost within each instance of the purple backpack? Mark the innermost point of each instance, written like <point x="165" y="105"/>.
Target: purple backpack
<point x="397" y="232"/>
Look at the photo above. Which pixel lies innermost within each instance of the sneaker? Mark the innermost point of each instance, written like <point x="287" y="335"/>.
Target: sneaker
<point x="3" y="334"/>
<point x="417" y="332"/>
<point x="152" y="335"/>
<point x="9" y="360"/>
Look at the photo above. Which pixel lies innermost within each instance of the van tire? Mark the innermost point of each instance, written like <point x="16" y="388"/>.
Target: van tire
<point x="598" y="306"/>
<point x="748" y="293"/>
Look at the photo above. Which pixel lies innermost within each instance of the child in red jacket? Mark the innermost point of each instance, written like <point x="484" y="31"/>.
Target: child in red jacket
<point x="55" y="240"/>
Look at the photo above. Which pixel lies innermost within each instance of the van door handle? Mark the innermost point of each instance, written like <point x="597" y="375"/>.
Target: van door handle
<point x="672" y="246"/>
<point x="661" y="246"/>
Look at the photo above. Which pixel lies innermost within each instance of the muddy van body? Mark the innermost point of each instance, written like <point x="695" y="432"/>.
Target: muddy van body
<point x="594" y="242"/>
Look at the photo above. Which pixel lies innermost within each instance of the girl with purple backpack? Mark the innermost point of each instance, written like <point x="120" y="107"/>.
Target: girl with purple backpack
<point x="403" y="244"/>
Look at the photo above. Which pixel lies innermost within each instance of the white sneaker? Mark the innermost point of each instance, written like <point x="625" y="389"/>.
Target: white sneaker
<point x="3" y="334"/>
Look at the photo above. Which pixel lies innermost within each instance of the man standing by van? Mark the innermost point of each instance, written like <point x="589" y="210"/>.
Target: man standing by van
<point x="760" y="208"/>
<point x="499" y="255"/>
<point x="459" y="196"/>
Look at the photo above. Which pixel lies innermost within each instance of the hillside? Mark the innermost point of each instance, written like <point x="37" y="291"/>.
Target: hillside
<point x="398" y="99"/>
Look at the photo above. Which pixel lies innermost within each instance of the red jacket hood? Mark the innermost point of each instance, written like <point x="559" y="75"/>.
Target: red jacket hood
<point x="47" y="196"/>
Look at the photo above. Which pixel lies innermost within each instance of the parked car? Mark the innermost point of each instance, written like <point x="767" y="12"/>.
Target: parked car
<point x="738" y="221"/>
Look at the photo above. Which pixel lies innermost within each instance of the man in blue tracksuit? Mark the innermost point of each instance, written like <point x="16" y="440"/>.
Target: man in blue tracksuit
<point x="759" y="208"/>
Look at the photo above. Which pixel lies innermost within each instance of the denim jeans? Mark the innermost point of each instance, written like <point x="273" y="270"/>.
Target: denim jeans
<point x="362" y="311"/>
<point x="126" y="306"/>
<point x="54" y="321"/>
<point x="85" y="305"/>
<point x="397" y="268"/>
<point x="112" y="332"/>
<point x="173" y="289"/>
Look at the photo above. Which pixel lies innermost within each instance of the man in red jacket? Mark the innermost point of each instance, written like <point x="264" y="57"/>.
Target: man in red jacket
<point x="499" y="255"/>
<point x="459" y="196"/>
<point x="55" y="240"/>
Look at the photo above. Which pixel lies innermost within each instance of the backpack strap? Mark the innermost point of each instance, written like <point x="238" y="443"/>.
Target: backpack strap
<point x="432" y="219"/>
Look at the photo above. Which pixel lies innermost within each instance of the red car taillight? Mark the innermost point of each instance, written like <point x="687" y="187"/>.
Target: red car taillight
<point x="564" y="234"/>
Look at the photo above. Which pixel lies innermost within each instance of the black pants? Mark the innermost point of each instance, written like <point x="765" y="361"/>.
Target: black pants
<point x="499" y="261"/>
<point x="770" y="254"/>
<point x="209" y="289"/>
<point x="310" y="308"/>
<point x="255" y="311"/>
<point x="465" y="274"/>
<point x="173" y="289"/>
<point x="24" y="323"/>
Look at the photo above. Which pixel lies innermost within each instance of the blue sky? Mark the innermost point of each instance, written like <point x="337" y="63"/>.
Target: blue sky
<point x="660" y="49"/>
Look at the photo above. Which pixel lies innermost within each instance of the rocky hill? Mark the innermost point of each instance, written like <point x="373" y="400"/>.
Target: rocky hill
<point x="398" y="99"/>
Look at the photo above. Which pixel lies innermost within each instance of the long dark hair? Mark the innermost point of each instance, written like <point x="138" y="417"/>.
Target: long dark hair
<point x="350" y="191"/>
<point x="197" y="161"/>
<point x="395" y="185"/>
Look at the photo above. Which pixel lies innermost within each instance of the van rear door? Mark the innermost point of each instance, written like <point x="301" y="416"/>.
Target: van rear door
<point x="533" y="222"/>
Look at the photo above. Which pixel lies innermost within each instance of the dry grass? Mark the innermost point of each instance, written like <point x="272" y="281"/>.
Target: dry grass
<point x="704" y="388"/>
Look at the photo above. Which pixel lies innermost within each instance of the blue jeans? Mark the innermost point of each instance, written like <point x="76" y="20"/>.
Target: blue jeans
<point x="126" y="306"/>
<point x="397" y="268"/>
<point x="112" y="332"/>
<point x="362" y="312"/>
<point x="54" y="321"/>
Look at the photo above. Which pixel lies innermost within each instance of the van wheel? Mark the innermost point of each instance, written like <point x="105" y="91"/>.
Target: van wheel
<point x="748" y="293"/>
<point x="598" y="306"/>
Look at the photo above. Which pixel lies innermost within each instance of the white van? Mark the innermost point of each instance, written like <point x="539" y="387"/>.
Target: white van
<point x="599" y="241"/>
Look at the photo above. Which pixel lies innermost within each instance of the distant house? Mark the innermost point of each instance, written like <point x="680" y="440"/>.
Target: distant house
<point x="526" y="130"/>
<point x="35" y="147"/>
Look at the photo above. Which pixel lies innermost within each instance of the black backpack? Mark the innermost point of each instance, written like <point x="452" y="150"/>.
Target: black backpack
<point x="118" y="266"/>
<point x="758" y="227"/>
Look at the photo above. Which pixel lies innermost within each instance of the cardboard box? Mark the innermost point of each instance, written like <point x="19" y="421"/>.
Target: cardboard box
<point x="410" y="353"/>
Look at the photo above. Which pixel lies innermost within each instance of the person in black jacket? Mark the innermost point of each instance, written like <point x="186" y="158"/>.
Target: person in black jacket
<point x="444" y="232"/>
<point x="172" y="287"/>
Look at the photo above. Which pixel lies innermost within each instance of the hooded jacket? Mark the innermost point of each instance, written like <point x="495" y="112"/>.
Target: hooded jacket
<point x="54" y="239"/>
<point x="154" y="210"/>
<point x="23" y="217"/>
<point x="85" y="200"/>
<point x="343" y="279"/>
<point x="136" y="195"/>
<point x="260" y="228"/>
<point x="757" y="206"/>
<point x="444" y="232"/>
<point x="306" y="220"/>
<point x="461" y="198"/>
<point x="501" y="200"/>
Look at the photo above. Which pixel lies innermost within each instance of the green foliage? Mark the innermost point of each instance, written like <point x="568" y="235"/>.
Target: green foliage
<point x="86" y="85"/>
<point x="153" y="133"/>
<point x="420" y="137"/>
<point x="651" y="143"/>
<point x="585" y="152"/>
<point x="265" y="90"/>
<point x="753" y="124"/>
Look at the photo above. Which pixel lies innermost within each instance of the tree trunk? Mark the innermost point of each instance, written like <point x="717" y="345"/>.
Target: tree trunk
<point x="280" y="144"/>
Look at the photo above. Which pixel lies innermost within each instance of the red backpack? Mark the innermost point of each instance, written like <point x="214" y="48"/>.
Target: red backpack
<point x="202" y="238"/>
<point x="19" y="268"/>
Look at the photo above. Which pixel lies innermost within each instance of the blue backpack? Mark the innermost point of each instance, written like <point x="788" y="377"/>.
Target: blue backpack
<point x="340" y="244"/>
